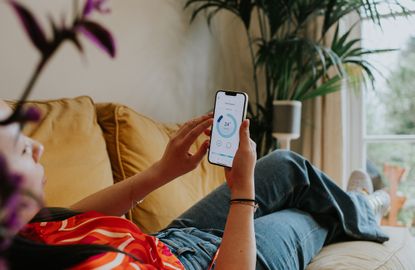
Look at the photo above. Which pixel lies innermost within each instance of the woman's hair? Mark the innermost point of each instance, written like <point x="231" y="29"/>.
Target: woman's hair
<point x="27" y="254"/>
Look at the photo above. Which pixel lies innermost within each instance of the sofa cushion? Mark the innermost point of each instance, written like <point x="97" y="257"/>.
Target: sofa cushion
<point x="75" y="159"/>
<point x="134" y="143"/>
<point x="398" y="254"/>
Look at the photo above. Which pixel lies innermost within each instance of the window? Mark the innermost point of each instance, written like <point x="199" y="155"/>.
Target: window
<point x="388" y="114"/>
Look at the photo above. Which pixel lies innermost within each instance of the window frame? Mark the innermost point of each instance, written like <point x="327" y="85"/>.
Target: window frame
<point x="356" y="135"/>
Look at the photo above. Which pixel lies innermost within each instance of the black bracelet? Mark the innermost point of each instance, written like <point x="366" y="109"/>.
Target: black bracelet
<point x="248" y="202"/>
<point x="243" y="200"/>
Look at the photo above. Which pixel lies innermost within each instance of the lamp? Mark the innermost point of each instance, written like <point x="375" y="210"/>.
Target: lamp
<point x="286" y="123"/>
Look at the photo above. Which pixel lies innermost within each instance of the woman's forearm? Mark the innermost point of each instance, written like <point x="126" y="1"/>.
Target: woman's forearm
<point x="119" y="198"/>
<point x="238" y="249"/>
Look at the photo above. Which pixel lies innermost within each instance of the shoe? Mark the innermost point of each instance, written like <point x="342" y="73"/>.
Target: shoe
<point x="380" y="203"/>
<point x="361" y="182"/>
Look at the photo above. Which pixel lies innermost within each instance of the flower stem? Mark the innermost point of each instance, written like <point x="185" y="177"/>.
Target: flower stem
<point x="34" y="77"/>
<point x="29" y="86"/>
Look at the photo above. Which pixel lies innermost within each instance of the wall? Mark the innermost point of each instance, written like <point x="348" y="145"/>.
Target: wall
<point x="164" y="68"/>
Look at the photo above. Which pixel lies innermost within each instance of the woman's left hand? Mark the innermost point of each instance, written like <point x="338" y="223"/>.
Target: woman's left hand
<point x="177" y="160"/>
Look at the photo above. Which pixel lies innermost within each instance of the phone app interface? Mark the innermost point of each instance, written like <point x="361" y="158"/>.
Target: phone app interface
<point x="229" y="110"/>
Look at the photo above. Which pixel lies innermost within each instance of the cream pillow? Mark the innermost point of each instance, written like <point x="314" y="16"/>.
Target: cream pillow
<point x="75" y="159"/>
<point x="396" y="254"/>
<point x="134" y="143"/>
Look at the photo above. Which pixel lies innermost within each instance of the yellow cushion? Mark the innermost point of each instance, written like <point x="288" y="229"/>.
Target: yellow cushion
<point x="75" y="159"/>
<point x="134" y="143"/>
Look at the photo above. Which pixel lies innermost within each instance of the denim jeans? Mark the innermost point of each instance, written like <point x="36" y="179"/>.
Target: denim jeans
<point x="300" y="211"/>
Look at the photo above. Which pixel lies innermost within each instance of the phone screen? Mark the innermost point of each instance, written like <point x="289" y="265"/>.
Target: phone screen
<point x="230" y="110"/>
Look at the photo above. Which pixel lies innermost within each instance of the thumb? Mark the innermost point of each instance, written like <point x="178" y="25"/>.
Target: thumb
<point x="244" y="132"/>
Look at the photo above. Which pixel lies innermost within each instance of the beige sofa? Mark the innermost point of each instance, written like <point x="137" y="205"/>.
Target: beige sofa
<point x="90" y="146"/>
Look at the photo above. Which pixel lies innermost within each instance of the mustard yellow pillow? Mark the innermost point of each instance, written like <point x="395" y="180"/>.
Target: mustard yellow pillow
<point x="75" y="159"/>
<point x="134" y="143"/>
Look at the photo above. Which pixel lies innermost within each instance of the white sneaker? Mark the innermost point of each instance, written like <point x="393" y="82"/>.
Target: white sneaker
<point x="379" y="200"/>
<point x="380" y="203"/>
<point x="361" y="182"/>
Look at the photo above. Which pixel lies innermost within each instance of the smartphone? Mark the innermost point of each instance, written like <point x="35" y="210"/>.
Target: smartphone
<point x="228" y="113"/>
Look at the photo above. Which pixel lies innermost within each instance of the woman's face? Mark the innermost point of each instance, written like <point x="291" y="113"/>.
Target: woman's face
<point x="23" y="156"/>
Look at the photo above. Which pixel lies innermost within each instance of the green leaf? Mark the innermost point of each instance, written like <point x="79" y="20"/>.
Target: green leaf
<point x="245" y="10"/>
<point x="330" y="86"/>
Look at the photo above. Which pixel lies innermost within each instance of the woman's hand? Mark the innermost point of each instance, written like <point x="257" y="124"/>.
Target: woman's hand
<point x="240" y="177"/>
<point x="177" y="160"/>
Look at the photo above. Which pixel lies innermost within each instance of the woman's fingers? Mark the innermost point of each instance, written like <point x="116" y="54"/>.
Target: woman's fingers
<point x="197" y="157"/>
<point x="189" y="125"/>
<point x="192" y="135"/>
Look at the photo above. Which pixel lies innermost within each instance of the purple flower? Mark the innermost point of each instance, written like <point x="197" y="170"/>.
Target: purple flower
<point x="11" y="203"/>
<point x="93" y="31"/>
<point x="31" y="25"/>
<point x="92" y="5"/>
<point x="98" y="35"/>
<point x="10" y="196"/>
<point x="32" y="114"/>
<point x="11" y="189"/>
<point x="22" y="116"/>
<point x="13" y="222"/>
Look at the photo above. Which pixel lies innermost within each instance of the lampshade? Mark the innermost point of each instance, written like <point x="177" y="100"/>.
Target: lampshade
<point x="286" y="119"/>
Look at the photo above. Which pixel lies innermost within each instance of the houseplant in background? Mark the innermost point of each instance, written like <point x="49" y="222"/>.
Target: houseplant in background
<point x="294" y="65"/>
<point x="11" y="191"/>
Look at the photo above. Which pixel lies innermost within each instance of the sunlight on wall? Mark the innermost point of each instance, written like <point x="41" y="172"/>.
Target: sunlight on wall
<point x="164" y="68"/>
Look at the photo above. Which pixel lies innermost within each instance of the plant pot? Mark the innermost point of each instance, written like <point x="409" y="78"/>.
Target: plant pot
<point x="286" y="123"/>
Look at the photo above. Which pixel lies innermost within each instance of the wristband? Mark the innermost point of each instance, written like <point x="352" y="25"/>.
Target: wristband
<point x="248" y="202"/>
<point x="243" y="200"/>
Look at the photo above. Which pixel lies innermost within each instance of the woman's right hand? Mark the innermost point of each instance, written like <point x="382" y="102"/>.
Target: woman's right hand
<point x="240" y="177"/>
<point x="177" y="158"/>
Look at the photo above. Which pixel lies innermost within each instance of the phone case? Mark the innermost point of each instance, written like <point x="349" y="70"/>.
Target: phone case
<point x="214" y="124"/>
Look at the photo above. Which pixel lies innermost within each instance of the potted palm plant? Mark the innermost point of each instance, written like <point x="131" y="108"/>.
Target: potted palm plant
<point x="294" y="66"/>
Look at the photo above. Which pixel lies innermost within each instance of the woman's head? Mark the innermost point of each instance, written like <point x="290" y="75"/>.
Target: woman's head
<point x="22" y="155"/>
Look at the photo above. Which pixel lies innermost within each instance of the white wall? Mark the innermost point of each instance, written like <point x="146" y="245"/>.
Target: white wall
<point x="164" y="68"/>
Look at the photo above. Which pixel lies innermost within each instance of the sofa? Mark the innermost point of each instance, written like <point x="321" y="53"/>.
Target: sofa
<point x="90" y="146"/>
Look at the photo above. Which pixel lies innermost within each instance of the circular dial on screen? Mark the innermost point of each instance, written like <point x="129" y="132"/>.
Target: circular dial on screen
<point x="226" y="125"/>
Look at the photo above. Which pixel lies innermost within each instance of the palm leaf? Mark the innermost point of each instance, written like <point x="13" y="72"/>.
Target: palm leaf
<point x="245" y="11"/>
<point x="277" y="13"/>
<point x="241" y="9"/>
<point x="329" y="86"/>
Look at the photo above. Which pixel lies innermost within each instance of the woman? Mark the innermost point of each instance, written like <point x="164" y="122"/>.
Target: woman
<point x="299" y="211"/>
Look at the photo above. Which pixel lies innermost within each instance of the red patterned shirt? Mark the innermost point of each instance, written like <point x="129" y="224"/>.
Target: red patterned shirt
<point x="95" y="228"/>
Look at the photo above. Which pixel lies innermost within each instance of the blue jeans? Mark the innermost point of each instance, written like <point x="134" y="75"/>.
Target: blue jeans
<point x="300" y="211"/>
